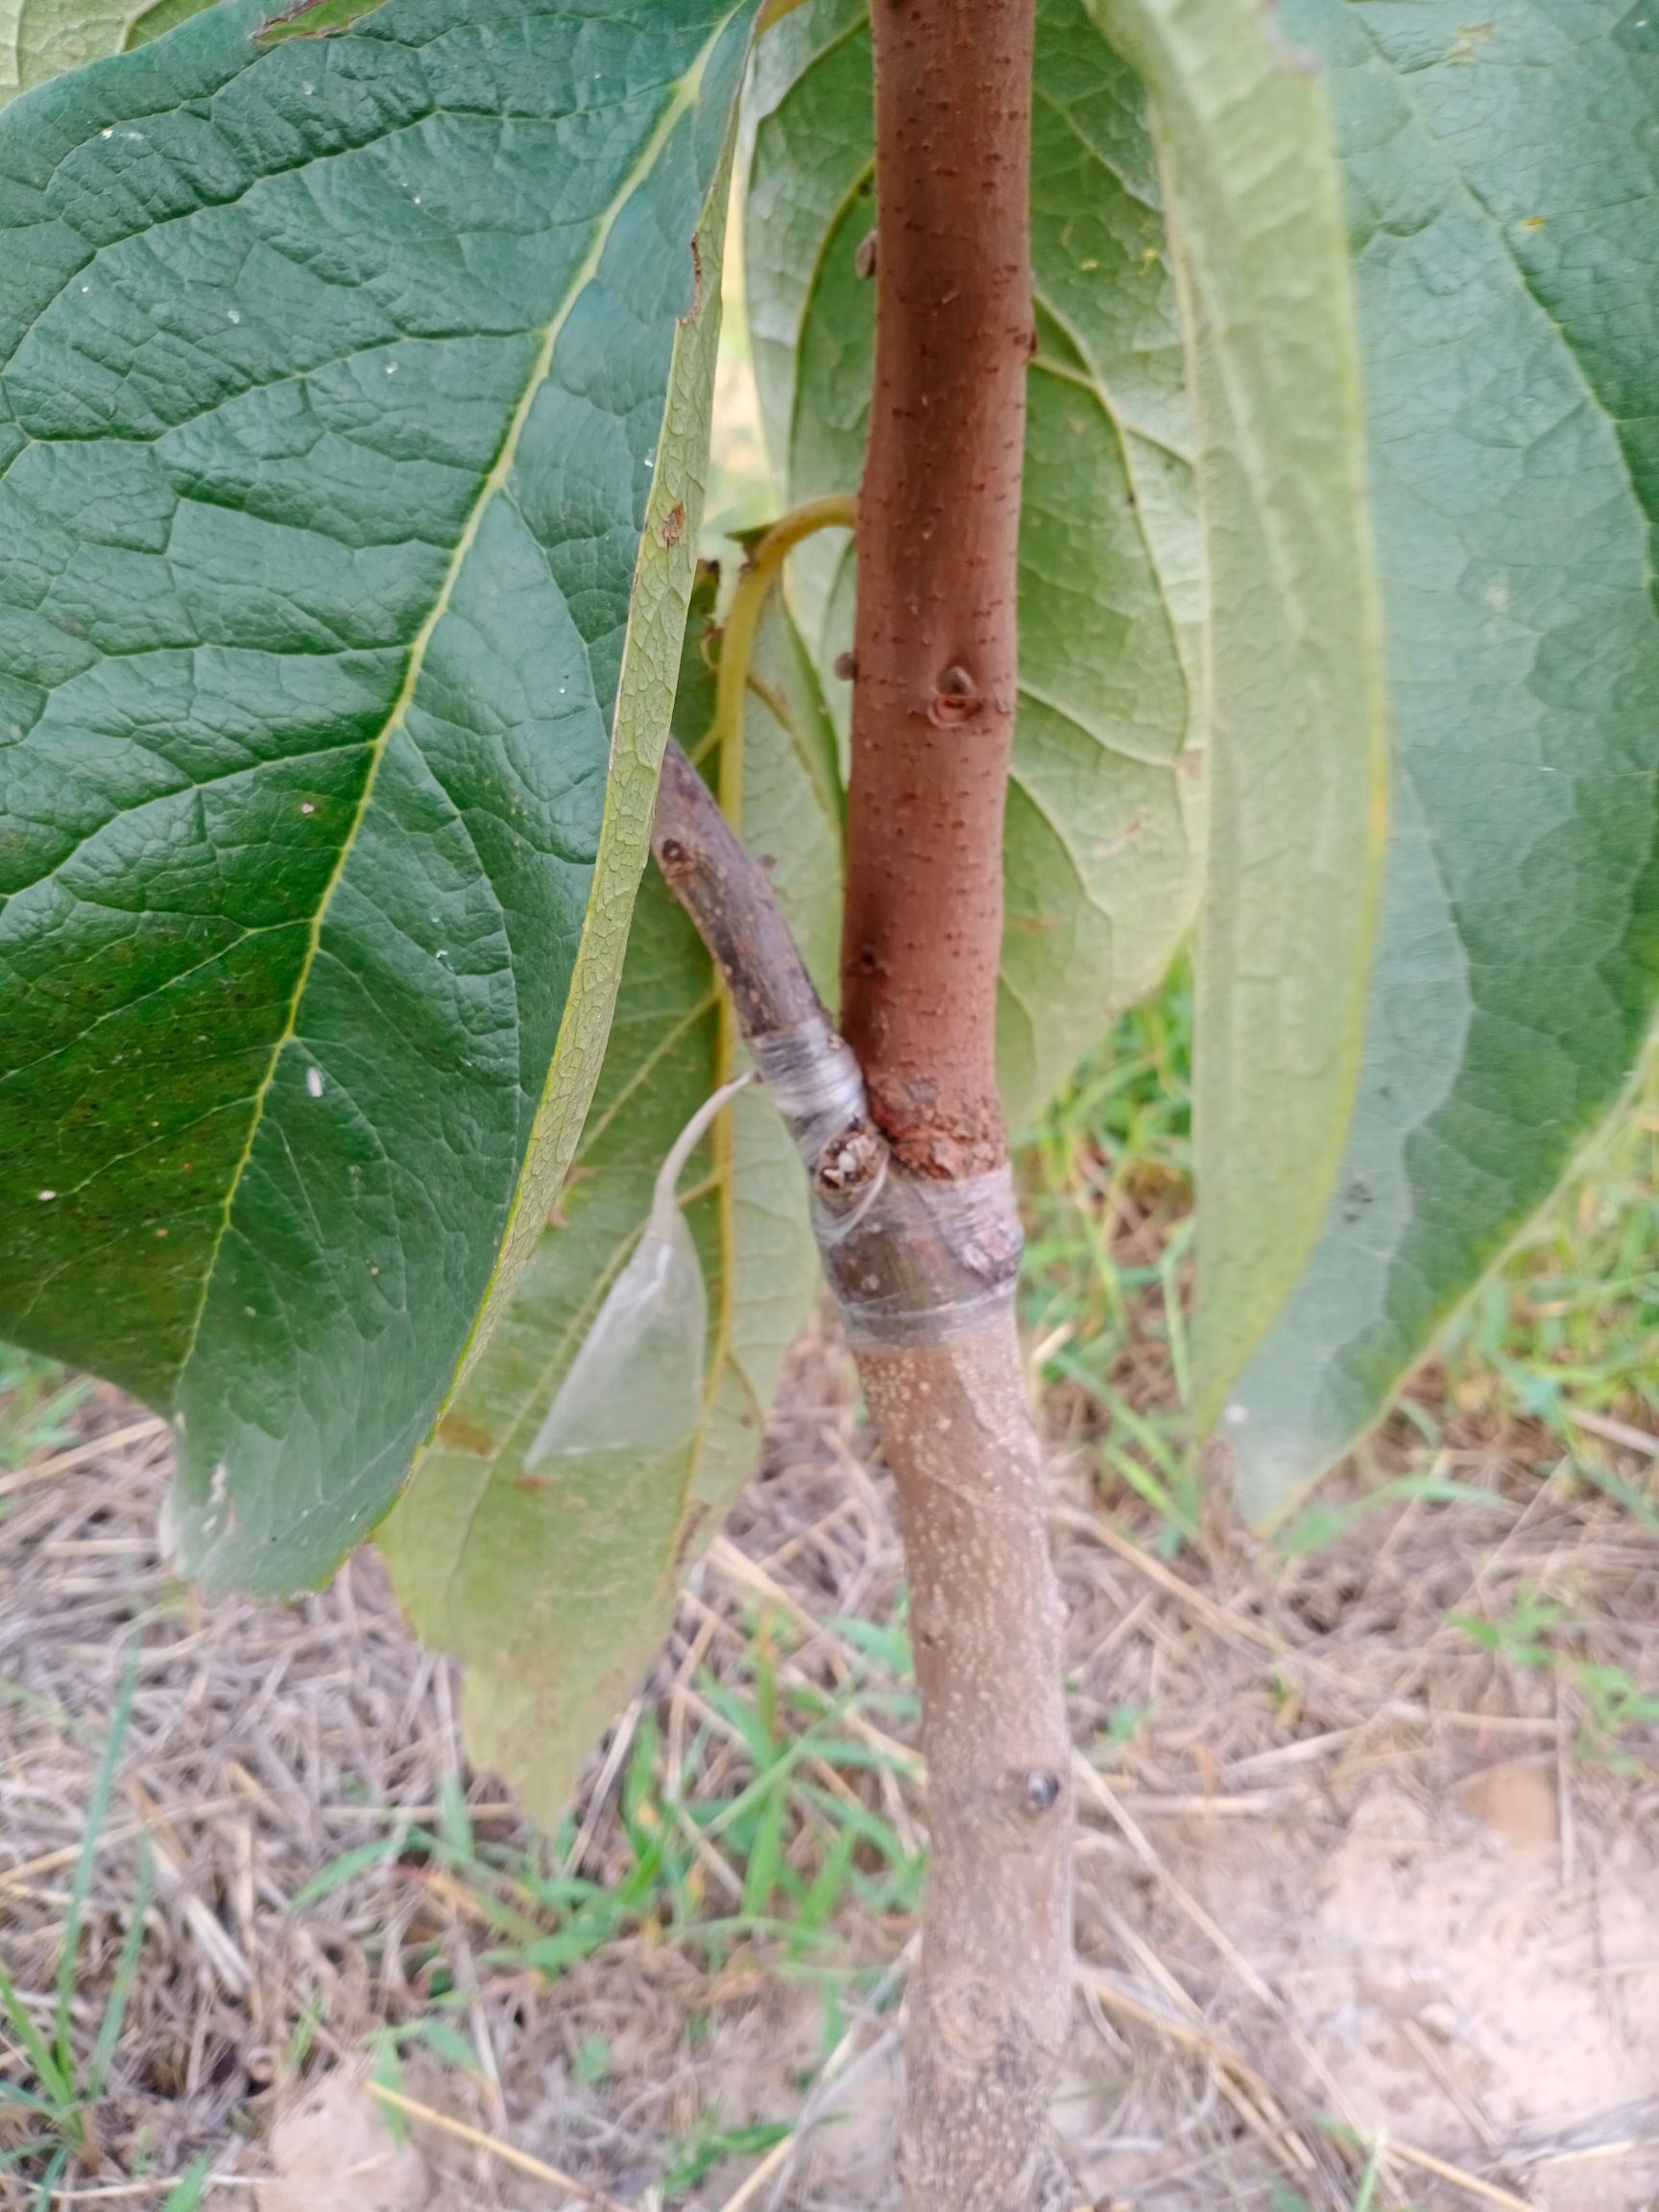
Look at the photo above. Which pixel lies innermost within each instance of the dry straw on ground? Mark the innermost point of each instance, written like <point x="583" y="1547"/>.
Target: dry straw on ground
<point x="1369" y="1914"/>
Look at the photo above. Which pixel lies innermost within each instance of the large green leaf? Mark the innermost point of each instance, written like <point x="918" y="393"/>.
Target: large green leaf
<point x="1298" y="792"/>
<point x="42" y="38"/>
<point x="1104" y="826"/>
<point x="1503" y="190"/>
<point x="351" y="456"/>
<point x="557" y="1591"/>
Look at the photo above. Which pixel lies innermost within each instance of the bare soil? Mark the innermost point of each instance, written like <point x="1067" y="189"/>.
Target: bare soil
<point x="1363" y="1906"/>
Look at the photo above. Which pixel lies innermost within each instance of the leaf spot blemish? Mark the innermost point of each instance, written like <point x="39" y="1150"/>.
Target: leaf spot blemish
<point x="1469" y="38"/>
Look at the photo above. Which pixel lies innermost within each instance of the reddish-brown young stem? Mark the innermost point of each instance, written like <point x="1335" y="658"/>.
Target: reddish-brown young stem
<point x="936" y="643"/>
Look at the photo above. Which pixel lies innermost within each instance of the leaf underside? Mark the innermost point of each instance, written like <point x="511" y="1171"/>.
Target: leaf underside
<point x="558" y="1592"/>
<point x="1104" y="830"/>
<point x="1503" y="207"/>
<point x="1297" y="795"/>
<point x="45" y="39"/>
<point x="350" y="459"/>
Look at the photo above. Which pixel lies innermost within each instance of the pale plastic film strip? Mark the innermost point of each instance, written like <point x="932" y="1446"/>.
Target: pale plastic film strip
<point x="636" y="1385"/>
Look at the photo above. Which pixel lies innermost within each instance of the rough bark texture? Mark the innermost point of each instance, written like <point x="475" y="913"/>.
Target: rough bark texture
<point x="935" y="650"/>
<point x="988" y="2010"/>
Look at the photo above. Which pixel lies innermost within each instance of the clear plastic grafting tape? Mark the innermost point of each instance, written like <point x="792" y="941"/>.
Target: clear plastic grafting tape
<point x="926" y="1257"/>
<point x="636" y="1383"/>
<point x="911" y="1256"/>
<point x="813" y="1080"/>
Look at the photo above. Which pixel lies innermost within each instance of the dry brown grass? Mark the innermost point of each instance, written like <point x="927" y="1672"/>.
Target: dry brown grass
<point x="1312" y="1736"/>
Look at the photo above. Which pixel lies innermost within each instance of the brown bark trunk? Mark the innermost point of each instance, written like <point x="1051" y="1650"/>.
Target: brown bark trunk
<point x="989" y="2008"/>
<point x="936" y="640"/>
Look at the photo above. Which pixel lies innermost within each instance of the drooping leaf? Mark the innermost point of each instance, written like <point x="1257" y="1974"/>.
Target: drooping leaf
<point x="557" y="1591"/>
<point x="43" y="39"/>
<point x="353" y="403"/>
<point x="1502" y="194"/>
<point x="1104" y="828"/>
<point x="1298" y="790"/>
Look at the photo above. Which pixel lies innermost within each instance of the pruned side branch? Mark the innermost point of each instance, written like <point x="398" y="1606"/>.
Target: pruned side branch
<point x="728" y="895"/>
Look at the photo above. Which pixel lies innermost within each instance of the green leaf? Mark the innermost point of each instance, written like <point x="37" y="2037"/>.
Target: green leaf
<point x="1104" y="827"/>
<point x="354" y="407"/>
<point x="43" y="39"/>
<point x="558" y="1590"/>
<point x="1298" y="805"/>
<point x="1503" y="207"/>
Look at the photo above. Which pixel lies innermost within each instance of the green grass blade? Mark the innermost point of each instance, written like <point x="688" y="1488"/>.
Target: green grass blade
<point x="187" y="2194"/>
<point x="36" y="2050"/>
<point x="97" y="1813"/>
<point x="49" y="2181"/>
<point x="339" y="1871"/>
<point x="126" y="1977"/>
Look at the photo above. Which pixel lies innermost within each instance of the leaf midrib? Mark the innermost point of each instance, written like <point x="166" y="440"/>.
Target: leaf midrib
<point x="678" y="104"/>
